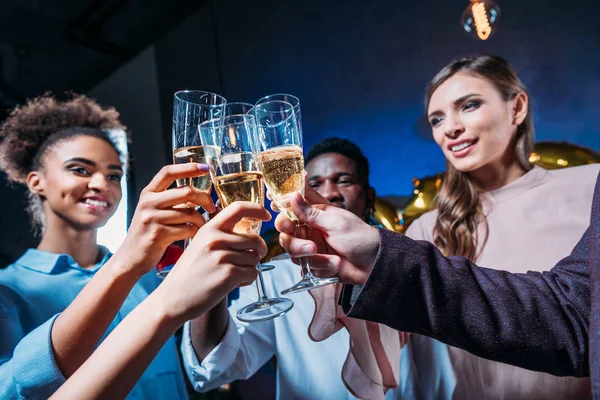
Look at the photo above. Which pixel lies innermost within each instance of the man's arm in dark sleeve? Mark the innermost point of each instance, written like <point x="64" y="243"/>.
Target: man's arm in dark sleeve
<point x="537" y="321"/>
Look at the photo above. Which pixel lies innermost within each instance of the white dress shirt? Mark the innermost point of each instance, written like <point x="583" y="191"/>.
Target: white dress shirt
<point x="305" y="369"/>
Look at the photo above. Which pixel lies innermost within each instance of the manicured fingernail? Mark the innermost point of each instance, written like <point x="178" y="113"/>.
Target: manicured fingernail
<point x="203" y="167"/>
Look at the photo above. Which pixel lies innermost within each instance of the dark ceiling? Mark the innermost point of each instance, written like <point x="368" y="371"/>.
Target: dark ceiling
<point x="62" y="45"/>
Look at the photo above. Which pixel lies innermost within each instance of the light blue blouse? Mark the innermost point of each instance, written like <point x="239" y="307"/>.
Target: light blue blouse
<point x="33" y="291"/>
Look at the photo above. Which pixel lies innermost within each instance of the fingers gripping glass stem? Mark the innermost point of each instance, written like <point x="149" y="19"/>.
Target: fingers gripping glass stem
<point x="309" y="281"/>
<point x="281" y="162"/>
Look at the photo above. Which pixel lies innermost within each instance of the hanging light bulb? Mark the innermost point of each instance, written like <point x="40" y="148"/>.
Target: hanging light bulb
<point x="480" y="18"/>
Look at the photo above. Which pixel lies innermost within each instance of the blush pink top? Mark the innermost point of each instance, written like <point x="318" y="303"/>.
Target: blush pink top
<point x="533" y="223"/>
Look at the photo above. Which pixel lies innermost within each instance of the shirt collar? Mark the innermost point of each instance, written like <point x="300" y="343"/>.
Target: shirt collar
<point x="48" y="263"/>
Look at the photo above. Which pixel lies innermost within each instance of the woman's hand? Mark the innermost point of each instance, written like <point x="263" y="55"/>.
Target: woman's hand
<point x="161" y="218"/>
<point x="216" y="261"/>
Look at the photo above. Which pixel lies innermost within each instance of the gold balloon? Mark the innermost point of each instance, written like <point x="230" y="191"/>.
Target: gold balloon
<point x="554" y="155"/>
<point x="422" y="198"/>
<point x="549" y="155"/>
<point x="387" y="215"/>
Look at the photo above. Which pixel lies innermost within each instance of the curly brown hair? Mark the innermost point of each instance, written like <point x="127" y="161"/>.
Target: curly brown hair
<point x="31" y="130"/>
<point x="28" y="127"/>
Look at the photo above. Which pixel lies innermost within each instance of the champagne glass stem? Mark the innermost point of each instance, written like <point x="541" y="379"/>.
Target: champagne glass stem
<point x="306" y="268"/>
<point x="260" y="286"/>
<point x="302" y="231"/>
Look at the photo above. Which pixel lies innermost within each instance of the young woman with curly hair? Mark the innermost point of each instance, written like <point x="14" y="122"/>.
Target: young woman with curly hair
<point x="497" y="209"/>
<point x="57" y="301"/>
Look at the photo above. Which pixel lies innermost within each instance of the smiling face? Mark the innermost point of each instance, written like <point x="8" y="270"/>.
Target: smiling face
<point x="471" y="122"/>
<point x="79" y="182"/>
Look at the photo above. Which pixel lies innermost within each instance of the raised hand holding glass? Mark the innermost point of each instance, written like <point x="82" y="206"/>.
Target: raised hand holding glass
<point x="282" y="163"/>
<point x="190" y="108"/>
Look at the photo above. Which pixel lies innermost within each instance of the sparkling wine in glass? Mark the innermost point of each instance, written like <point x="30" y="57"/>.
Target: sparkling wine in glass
<point x="232" y="144"/>
<point x="282" y="164"/>
<point x="190" y="108"/>
<point x="295" y="102"/>
<point x="195" y="154"/>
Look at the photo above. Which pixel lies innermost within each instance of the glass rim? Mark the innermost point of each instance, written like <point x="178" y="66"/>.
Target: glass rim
<point x="241" y="102"/>
<point x="219" y="121"/>
<point x="177" y="96"/>
<point x="270" y="96"/>
<point x="262" y="110"/>
<point x="250" y="108"/>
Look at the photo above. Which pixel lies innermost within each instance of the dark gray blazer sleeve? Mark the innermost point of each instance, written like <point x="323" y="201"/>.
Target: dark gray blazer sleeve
<point x="537" y="321"/>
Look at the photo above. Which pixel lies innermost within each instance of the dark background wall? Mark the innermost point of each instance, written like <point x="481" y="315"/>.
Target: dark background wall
<point x="359" y="69"/>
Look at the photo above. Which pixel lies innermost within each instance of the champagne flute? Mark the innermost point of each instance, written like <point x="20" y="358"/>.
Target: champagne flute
<point x="232" y="144"/>
<point x="295" y="102"/>
<point x="190" y="108"/>
<point x="231" y="110"/>
<point x="282" y="165"/>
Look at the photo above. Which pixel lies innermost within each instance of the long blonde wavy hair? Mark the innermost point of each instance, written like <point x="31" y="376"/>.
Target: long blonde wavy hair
<point x="459" y="201"/>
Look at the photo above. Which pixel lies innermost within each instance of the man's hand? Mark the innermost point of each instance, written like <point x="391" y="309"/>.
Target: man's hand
<point x="342" y="244"/>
